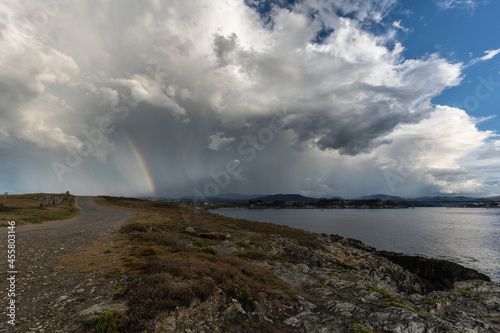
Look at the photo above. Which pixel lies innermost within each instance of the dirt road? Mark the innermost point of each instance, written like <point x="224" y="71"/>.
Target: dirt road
<point x="44" y="296"/>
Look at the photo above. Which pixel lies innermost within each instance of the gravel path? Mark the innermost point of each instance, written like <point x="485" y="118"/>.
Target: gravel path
<point x="46" y="299"/>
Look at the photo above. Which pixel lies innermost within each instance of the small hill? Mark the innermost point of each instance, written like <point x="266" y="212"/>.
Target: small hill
<point x="286" y="198"/>
<point x="383" y="197"/>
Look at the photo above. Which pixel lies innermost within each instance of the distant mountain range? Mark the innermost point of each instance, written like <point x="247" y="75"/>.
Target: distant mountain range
<point x="233" y="197"/>
<point x="383" y="197"/>
<point x="286" y="198"/>
<point x="431" y="201"/>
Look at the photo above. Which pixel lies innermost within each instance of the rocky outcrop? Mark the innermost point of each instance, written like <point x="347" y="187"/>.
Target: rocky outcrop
<point x="219" y="314"/>
<point x="359" y="290"/>
<point x="89" y="314"/>
<point x="348" y="287"/>
<point x="339" y="286"/>
<point x="435" y="274"/>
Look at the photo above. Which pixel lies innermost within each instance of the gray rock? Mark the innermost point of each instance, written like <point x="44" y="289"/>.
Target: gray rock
<point x="62" y="298"/>
<point x="103" y="307"/>
<point x="306" y="305"/>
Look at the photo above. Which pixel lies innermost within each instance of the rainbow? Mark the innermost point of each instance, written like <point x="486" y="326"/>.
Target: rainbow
<point x="140" y="160"/>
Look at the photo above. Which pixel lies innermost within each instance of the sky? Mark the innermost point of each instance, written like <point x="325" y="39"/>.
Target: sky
<point x="197" y="98"/>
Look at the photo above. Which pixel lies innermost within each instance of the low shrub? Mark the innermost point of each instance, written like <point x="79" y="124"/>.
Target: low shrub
<point x="160" y="238"/>
<point x="148" y="252"/>
<point x="163" y="291"/>
<point x="244" y="296"/>
<point x="120" y="292"/>
<point x="110" y="322"/>
<point x="433" y="301"/>
<point x="466" y="292"/>
<point x="253" y="254"/>
<point x="133" y="227"/>
<point x="198" y="243"/>
<point x="199" y="246"/>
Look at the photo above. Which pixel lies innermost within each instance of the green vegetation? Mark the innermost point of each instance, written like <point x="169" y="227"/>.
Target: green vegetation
<point x="253" y="255"/>
<point x="466" y="292"/>
<point x="24" y="210"/>
<point x="347" y="266"/>
<point x="199" y="246"/>
<point x="397" y="305"/>
<point x="110" y="322"/>
<point x="434" y="301"/>
<point x="358" y="328"/>
<point x="121" y="291"/>
<point x="384" y="293"/>
<point x="198" y="243"/>
<point x="244" y="296"/>
<point x="439" y="315"/>
<point x="240" y="245"/>
<point x="335" y="273"/>
<point x="324" y="286"/>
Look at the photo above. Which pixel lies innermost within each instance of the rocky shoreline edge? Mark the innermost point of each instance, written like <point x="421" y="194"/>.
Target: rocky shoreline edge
<point x="434" y="274"/>
<point x="383" y="291"/>
<point x="351" y="287"/>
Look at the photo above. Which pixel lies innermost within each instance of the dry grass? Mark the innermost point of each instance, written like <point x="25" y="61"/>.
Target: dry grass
<point x="174" y="217"/>
<point x="171" y="273"/>
<point x="22" y="200"/>
<point x="23" y="209"/>
<point x="105" y="256"/>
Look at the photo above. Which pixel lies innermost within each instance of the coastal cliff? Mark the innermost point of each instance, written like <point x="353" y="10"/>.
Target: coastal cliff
<point x="200" y="272"/>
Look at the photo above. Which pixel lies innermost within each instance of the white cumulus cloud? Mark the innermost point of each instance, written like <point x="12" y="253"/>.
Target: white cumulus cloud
<point x="218" y="141"/>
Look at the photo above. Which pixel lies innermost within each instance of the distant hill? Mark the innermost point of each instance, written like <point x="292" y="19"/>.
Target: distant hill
<point x="239" y="198"/>
<point x="383" y="197"/>
<point x="221" y="198"/>
<point x="456" y="201"/>
<point x="286" y="198"/>
<point x="448" y="198"/>
<point x="337" y="198"/>
<point x="430" y="201"/>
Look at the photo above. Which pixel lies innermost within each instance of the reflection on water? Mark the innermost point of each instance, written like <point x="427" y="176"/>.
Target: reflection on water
<point x="469" y="236"/>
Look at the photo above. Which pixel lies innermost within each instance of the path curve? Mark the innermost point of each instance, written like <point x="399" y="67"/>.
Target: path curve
<point x="38" y="248"/>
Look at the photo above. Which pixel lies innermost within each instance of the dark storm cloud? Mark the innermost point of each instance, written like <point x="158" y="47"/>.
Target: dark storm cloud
<point x="177" y="92"/>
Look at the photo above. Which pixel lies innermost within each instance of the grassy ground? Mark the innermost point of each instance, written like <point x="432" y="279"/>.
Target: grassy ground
<point x="23" y="209"/>
<point x="172" y="266"/>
